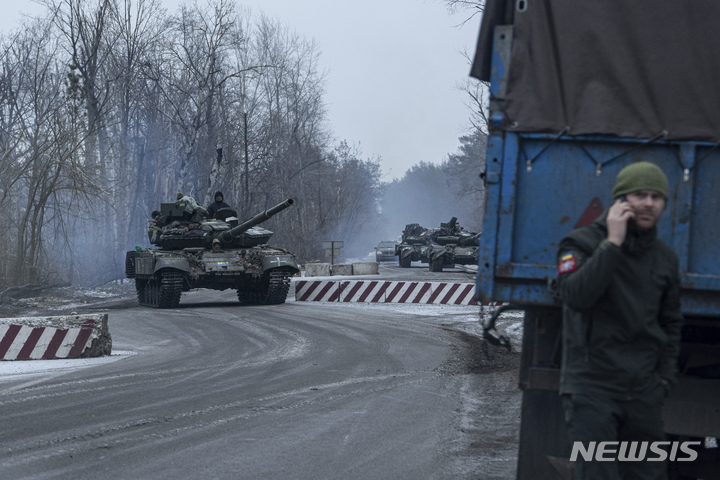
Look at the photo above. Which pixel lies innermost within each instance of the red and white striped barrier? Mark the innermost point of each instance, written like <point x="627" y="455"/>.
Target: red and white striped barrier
<point x="35" y="338"/>
<point x="378" y="291"/>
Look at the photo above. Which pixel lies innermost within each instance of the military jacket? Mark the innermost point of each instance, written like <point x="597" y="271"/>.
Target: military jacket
<point x="621" y="312"/>
<point x="214" y="207"/>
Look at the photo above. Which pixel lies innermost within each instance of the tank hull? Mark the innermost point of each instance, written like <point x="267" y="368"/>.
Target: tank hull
<point x="411" y="253"/>
<point x="260" y="274"/>
<point x="443" y="255"/>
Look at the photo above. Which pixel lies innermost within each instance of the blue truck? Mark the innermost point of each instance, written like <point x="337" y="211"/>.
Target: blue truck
<point x="578" y="91"/>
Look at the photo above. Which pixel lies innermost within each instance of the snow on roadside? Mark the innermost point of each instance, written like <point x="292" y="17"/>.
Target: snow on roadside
<point x="19" y="369"/>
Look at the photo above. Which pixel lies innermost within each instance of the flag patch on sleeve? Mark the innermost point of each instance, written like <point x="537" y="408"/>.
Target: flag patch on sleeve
<point x="568" y="263"/>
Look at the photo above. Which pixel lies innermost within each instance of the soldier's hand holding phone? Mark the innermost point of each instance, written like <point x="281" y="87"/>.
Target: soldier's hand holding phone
<point x="617" y="220"/>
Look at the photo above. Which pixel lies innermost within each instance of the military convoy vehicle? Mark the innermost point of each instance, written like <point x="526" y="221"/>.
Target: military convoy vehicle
<point x="438" y="247"/>
<point x="452" y="245"/>
<point x="414" y="245"/>
<point x="211" y="253"/>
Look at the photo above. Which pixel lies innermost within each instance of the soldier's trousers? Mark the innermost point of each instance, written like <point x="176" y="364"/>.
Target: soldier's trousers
<point x="594" y="418"/>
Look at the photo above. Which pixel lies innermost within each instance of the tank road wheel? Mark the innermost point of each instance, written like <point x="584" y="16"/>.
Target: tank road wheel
<point x="436" y="264"/>
<point x="405" y="261"/>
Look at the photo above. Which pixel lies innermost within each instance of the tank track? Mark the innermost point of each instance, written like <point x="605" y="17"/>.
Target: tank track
<point x="164" y="292"/>
<point x="436" y="264"/>
<point x="272" y="289"/>
<point x="279" y="287"/>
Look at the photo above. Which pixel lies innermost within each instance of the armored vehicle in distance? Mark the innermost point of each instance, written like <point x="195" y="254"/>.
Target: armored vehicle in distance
<point x="452" y="245"/>
<point x="414" y="245"/>
<point x="211" y="253"/>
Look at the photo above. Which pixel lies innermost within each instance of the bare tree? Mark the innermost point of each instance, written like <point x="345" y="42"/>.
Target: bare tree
<point x="243" y="118"/>
<point x="472" y="7"/>
<point x="84" y="25"/>
<point x="109" y="106"/>
<point x="354" y="208"/>
<point x="462" y="169"/>
<point x="192" y="78"/>
<point x="52" y="177"/>
<point x="137" y="32"/>
<point x="476" y="100"/>
<point x="476" y="90"/>
<point x="292" y="110"/>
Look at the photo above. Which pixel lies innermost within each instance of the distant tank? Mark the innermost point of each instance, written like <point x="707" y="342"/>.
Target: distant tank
<point x="210" y="253"/>
<point x="452" y="245"/>
<point x="414" y="245"/>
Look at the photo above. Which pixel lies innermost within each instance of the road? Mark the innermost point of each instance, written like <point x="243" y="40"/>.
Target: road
<point x="294" y="391"/>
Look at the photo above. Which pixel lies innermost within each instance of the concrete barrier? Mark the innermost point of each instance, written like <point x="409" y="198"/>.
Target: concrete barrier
<point x="317" y="270"/>
<point x="342" y="269"/>
<point x="375" y="291"/>
<point x="70" y="336"/>
<point x="365" y="268"/>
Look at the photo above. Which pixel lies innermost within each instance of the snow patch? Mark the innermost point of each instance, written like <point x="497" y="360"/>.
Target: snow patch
<point x="18" y="369"/>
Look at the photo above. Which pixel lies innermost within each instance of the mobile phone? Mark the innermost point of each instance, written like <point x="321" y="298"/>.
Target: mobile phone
<point x="630" y="220"/>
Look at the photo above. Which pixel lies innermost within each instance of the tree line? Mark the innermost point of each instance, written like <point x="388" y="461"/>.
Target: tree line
<point x="110" y="107"/>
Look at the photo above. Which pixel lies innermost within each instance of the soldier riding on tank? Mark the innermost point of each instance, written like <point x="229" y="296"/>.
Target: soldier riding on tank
<point x="218" y="204"/>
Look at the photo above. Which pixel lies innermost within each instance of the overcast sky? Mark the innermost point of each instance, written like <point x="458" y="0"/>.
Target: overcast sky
<point x="393" y="67"/>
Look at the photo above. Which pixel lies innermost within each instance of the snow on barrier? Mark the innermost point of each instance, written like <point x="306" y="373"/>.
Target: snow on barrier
<point x="375" y="291"/>
<point x="71" y="336"/>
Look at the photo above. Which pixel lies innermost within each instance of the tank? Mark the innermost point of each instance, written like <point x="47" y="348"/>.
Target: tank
<point x="414" y="245"/>
<point x="215" y="253"/>
<point x="452" y="245"/>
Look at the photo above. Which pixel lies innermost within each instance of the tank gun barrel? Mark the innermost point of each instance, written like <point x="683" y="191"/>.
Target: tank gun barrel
<point x="228" y="235"/>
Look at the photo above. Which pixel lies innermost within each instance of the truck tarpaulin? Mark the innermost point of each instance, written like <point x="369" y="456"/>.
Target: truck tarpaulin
<point x="646" y="79"/>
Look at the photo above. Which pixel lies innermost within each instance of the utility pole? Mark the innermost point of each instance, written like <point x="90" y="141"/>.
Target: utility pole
<point x="246" y="199"/>
<point x="332" y="248"/>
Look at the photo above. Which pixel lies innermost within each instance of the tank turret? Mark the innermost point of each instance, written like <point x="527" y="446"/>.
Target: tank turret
<point x="452" y="234"/>
<point x="415" y="234"/>
<point x="171" y="229"/>
<point x="453" y="246"/>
